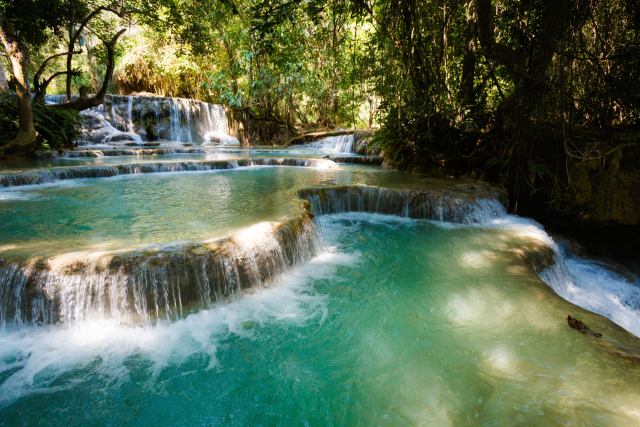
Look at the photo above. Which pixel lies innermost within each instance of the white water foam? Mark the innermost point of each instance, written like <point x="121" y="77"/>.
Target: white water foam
<point x="32" y="192"/>
<point x="35" y="358"/>
<point x="587" y="283"/>
<point x="336" y="144"/>
<point x="597" y="288"/>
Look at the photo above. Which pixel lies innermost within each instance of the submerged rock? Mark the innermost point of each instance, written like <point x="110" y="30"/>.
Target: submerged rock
<point x="579" y="326"/>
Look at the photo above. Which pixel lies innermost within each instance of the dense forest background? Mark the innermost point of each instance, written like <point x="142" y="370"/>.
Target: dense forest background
<point x="540" y="96"/>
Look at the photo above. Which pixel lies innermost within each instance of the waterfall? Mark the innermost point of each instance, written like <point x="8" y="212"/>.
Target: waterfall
<point x="147" y="287"/>
<point x="141" y="119"/>
<point x="412" y="204"/>
<point x="45" y="176"/>
<point x="337" y="144"/>
<point x="590" y="284"/>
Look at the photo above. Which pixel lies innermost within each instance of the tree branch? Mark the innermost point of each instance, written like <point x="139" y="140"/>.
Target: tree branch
<point x="36" y="77"/>
<point x="41" y="88"/>
<point x="84" y="102"/>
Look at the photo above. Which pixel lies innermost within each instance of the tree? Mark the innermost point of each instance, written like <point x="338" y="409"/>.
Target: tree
<point x="25" y="22"/>
<point x="527" y="74"/>
<point x="19" y="57"/>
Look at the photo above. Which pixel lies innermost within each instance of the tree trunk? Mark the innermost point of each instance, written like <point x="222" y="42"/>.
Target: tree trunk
<point x="528" y="77"/>
<point x="469" y="60"/>
<point x="72" y="42"/>
<point x="24" y="143"/>
<point x="3" y="78"/>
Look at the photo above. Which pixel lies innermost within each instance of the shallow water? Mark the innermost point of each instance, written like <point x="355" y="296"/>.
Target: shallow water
<point x="131" y="211"/>
<point x="218" y="153"/>
<point x="398" y="322"/>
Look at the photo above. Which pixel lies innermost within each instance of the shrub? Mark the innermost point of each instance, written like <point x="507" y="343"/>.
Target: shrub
<point x="56" y="128"/>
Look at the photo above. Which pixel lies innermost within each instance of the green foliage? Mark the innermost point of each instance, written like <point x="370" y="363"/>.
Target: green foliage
<point x="56" y="128"/>
<point x="34" y="20"/>
<point x="535" y="168"/>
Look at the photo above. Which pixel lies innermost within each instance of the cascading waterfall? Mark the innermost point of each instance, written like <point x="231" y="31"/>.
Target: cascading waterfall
<point x="149" y="287"/>
<point x="411" y="204"/>
<point x="141" y="118"/>
<point x="610" y="294"/>
<point x="46" y="176"/>
<point x="97" y="128"/>
<point x="337" y="144"/>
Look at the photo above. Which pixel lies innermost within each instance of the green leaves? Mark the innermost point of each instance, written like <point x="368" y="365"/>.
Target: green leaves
<point x="56" y="128"/>
<point x="535" y="168"/>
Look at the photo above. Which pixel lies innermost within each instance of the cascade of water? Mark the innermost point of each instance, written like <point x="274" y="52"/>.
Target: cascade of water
<point x="337" y="144"/>
<point x="411" y="204"/>
<point x="51" y="175"/>
<point x="97" y="128"/>
<point x="187" y="114"/>
<point x="344" y="144"/>
<point x="207" y="109"/>
<point x="57" y="99"/>
<point x="145" y="288"/>
<point x="176" y="129"/>
<point x="121" y="117"/>
<point x="129" y="117"/>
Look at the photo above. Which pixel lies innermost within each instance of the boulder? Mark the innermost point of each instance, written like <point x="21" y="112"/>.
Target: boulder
<point x="362" y="144"/>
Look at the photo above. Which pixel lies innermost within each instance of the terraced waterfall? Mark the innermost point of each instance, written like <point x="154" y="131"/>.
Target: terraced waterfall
<point x="288" y="289"/>
<point x="139" y="119"/>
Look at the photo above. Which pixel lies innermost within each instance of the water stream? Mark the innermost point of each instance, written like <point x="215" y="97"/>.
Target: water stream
<point x="335" y="144"/>
<point x="280" y="293"/>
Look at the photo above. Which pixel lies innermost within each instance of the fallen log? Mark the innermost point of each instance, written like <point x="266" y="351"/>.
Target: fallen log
<point x="307" y="136"/>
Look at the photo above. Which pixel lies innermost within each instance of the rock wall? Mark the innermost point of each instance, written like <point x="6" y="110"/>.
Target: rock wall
<point x="363" y="144"/>
<point x="249" y="130"/>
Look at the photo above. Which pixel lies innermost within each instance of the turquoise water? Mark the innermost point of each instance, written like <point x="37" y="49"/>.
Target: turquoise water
<point x="397" y="322"/>
<point x="213" y="154"/>
<point x="133" y="211"/>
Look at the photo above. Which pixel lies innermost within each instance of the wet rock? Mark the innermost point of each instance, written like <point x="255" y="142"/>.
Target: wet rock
<point x="362" y="142"/>
<point x="368" y="160"/>
<point x="450" y="206"/>
<point x="45" y="155"/>
<point x="579" y="326"/>
<point x="119" y="138"/>
<point x="540" y="257"/>
<point x="151" y="144"/>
